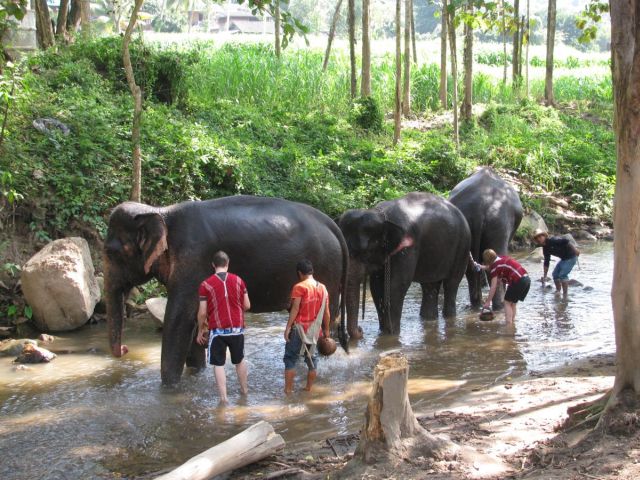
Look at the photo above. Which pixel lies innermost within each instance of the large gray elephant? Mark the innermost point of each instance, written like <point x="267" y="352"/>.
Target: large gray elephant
<point x="417" y="238"/>
<point x="493" y="210"/>
<point x="264" y="237"/>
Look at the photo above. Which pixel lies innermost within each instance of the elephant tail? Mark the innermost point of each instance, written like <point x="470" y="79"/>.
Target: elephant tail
<point x="343" y="336"/>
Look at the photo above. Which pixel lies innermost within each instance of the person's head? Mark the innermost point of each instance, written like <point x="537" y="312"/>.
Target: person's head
<point x="220" y="259"/>
<point x="540" y="236"/>
<point x="489" y="256"/>
<point x="304" y="267"/>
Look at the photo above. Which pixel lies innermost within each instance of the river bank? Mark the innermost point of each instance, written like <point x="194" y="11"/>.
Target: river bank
<point x="514" y="422"/>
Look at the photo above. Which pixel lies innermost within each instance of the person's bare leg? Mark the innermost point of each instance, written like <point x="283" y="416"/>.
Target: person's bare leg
<point x="242" y="371"/>
<point x="311" y="376"/>
<point x="221" y="382"/>
<point x="289" y="375"/>
<point x="565" y="287"/>
<point x="557" y="283"/>
<point x="508" y="311"/>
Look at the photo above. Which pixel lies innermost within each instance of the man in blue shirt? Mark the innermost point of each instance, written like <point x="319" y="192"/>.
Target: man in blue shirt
<point x="562" y="248"/>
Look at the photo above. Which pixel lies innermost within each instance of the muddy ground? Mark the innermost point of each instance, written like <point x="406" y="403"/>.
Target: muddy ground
<point x="512" y="426"/>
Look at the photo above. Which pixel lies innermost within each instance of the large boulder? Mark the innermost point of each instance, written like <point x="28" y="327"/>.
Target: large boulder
<point x="59" y="284"/>
<point x="531" y="222"/>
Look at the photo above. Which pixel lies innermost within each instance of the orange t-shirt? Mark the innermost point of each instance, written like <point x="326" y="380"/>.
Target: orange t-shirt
<point x="310" y="293"/>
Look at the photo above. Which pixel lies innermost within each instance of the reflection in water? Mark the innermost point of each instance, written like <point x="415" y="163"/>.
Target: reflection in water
<point x="88" y="415"/>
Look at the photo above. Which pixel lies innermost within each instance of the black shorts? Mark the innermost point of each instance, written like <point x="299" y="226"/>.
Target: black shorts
<point x="218" y="349"/>
<point x="518" y="291"/>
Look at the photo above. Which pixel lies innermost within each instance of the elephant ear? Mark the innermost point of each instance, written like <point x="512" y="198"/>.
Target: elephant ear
<point x="396" y="238"/>
<point x="152" y="237"/>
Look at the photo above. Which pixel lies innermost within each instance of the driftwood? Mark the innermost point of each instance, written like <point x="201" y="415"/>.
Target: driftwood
<point x="391" y="430"/>
<point x="253" y="444"/>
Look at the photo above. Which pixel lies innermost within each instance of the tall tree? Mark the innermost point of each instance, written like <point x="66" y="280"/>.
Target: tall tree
<point x="44" y="29"/>
<point x="85" y="14"/>
<point x="443" y="56"/>
<point x="625" y="295"/>
<point x="406" y="85"/>
<point x="332" y="33"/>
<point x="551" y="39"/>
<point x="351" y="20"/>
<point x="75" y="15"/>
<point x="365" y="81"/>
<point x="517" y="43"/>
<point x="277" y="28"/>
<point x="454" y="73"/>
<point x="467" y="101"/>
<point x="413" y="34"/>
<point x="61" y="21"/>
<point x="504" y="40"/>
<point x="527" y="37"/>
<point x="397" y="118"/>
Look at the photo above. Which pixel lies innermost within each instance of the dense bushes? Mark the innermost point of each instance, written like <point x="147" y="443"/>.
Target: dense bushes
<point x="222" y="121"/>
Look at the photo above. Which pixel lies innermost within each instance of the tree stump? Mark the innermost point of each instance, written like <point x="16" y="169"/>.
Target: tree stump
<point x="391" y="430"/>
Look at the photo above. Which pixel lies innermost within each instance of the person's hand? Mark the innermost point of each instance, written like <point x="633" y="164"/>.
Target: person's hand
<point x="202" y="337"/>
<point x="287" y="333"/>
<point x="327" y="334"/>
<point x="487" y="305"/>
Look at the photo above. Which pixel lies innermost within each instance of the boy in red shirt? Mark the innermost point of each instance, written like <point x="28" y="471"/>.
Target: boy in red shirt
<point x="308" y="314"/>
<point x="512" y="274"/>
<point x="223" y="301"/>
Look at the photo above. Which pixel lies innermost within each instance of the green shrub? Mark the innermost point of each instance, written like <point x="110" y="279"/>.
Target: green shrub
<point x="366" y="114"/>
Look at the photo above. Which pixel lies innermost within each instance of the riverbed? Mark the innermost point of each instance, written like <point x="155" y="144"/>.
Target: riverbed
<point x="89" y="415"/>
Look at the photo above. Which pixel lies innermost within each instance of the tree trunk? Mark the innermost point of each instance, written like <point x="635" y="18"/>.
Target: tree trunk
<point x="277" y="28"/>
<point x="443" y="57"/>
<point x="332" y="33"/>
<point x="454" y="76"/>
<point x="551" y="39"/>
<point x="136" y="189"/>
<point x="73" y="20"/>
<point x="391" y="430"/>
<point x="413" y="34"/>
<point x="526" y="61"/>
<point x="351" y="20"/>
<point x="365" y="81"/>
<point x="504" y="43"/>
<point x="85" y="14"/>
<point x="397" y="120"/>
<point x="515" y="67"/>
<point x="406" y="86"/>
<point x="44" y="30"/>
<point x="189" y="15"/>
<point x="61" y="23"/>
<point x="253" y="444"/>
<point x="467" y="101"/>
<point x="625" y="295"/>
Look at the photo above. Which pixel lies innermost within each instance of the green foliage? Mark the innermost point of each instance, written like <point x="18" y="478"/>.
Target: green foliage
<point x="366" y="114"/>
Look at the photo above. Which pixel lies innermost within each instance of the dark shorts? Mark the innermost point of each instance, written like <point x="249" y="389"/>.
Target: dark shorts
<point x="518" y="291"/>
<point x="292" y="352"/>
<point x="218" y="349"/>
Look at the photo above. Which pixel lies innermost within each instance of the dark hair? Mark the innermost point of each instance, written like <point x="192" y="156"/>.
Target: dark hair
<point x="305" y="267"/>
<point x="220" y="259"/>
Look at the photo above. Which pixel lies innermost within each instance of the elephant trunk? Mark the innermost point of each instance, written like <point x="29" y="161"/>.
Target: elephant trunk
<point x="115" y="313"/>
<point x="355" y="278"/>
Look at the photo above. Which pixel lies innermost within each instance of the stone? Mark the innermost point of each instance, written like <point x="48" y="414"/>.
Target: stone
<point x="13" y="347"/>
<point x="603" y="233"/>
<point x="46" y="338"/>
<point x="584" y="236"/>
<point x="34" y="354"/>
<point x="157" y="307"/>
<point x="59" y="284"/>
<point x="530" y="223"/>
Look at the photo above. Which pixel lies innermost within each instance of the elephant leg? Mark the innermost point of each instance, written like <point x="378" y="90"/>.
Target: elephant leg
<point x="400" y="283"/>
<point x="474" y="280"/>
<point x="498" y="298"/>
<point x="197" y="355"/>
<point x="355" y="277"/>
<point x="178" y="333"/>
<point x="429" y="306"/>
<point x="376" y="286"/>
<point x="450" y="293"/>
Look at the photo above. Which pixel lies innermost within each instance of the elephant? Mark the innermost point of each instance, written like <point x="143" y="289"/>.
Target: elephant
<point x="493" y="210"/>
<point x="419" y="237"/>
<point x="264" y="238"/>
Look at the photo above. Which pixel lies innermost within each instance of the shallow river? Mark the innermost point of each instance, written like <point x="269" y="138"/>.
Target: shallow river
<point x="88" y="415"/>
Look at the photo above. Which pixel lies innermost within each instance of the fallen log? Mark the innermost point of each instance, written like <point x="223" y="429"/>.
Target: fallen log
<point x="253" y="444"/>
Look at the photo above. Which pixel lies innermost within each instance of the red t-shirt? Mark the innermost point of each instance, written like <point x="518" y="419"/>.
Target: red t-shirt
<point x="310" y="293"/>
<point x="224" y="301"/>
<point x="507" y="270"/>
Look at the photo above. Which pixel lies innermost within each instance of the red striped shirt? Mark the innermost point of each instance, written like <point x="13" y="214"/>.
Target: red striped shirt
<point x="507" y="269"/>
<point x="225" y="299"/>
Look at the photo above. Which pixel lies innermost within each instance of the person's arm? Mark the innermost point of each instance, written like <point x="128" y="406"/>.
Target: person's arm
<point x="574" y="249"/>
<point x="326" y="320"/>
<point x="203" y="323"/>
<point x="246" y="303"/>
<point x="547" y="261"/>
<point x="293" y="313"/>
<point x="492" y="292"/>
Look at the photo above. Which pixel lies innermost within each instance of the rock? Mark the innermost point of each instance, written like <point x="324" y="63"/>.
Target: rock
<point x="530" y="223"/>
<point x="49" y="125"/>
<point x="6" y="331"/>
<point x="574" y="283"/>
<point x="536" y="254"/>
<point x="20" y="367"/>
<point x="603" y="233"/>
<point x="584" y="236"/>
<point x="59" y="284"/>
<point x="13" y="347"/>
<point x="46" y="338"/>
<point x="157" y="307"/>
<point x="34" y="354"/>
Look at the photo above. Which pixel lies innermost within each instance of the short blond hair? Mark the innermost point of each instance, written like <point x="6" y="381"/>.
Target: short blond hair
<point x="489" y="256"/>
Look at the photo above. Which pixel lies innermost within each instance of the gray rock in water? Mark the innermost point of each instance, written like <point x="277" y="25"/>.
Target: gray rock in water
<point x="59" y="284"/>
<point x="34" y="354"/>
<point x="584" y="235"/>
<point x="157" y="307"/>
<point x="13" y="347"/>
